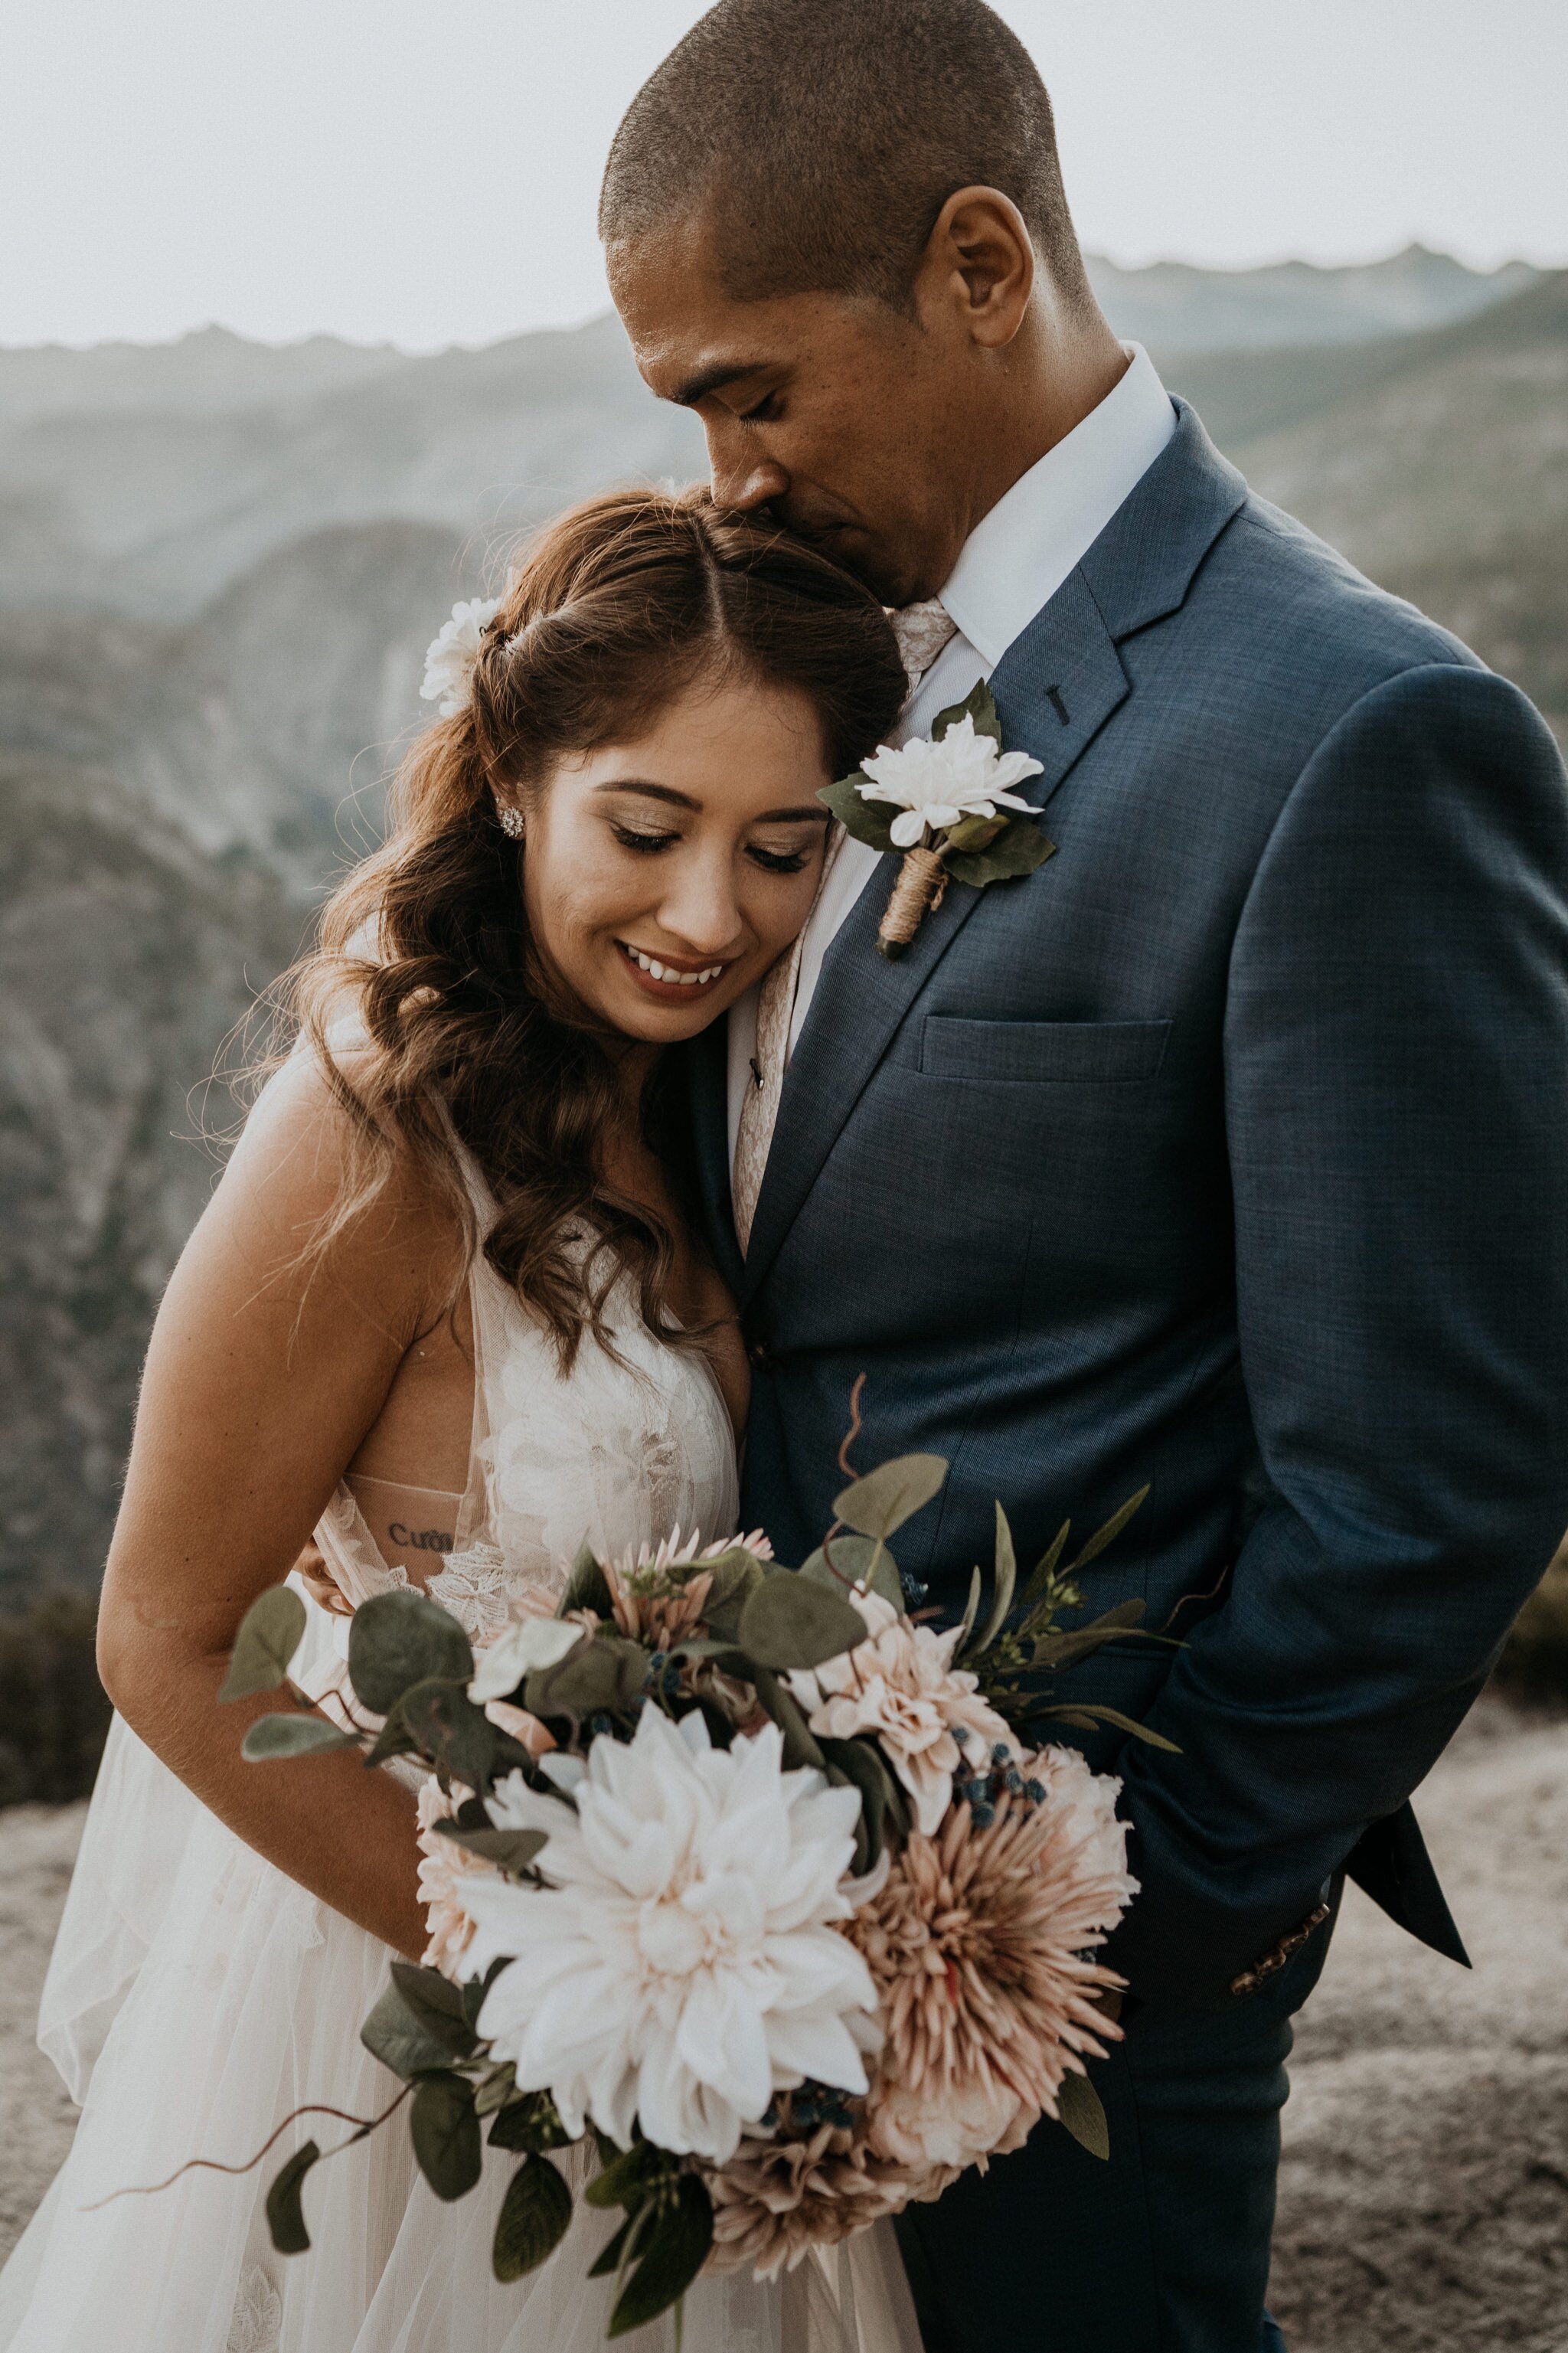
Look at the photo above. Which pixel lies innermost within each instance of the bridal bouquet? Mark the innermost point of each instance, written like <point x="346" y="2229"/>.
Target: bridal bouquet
<point x="743" y="1877"/>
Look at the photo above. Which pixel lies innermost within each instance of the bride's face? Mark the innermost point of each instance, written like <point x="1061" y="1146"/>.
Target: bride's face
<point x="663" y="876"/>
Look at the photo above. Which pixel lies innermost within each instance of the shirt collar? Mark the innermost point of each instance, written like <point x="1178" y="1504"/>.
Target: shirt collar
<point x="1018" y="557"/>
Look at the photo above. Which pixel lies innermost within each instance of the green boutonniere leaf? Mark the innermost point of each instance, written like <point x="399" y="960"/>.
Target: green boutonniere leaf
<point x="980" y="706"/>
<point x="1017" y="849"/>
<point x="868" y="821"/>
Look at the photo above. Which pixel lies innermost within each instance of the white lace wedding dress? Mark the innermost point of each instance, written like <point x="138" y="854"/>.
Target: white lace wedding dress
<point x="197" y="1995"/>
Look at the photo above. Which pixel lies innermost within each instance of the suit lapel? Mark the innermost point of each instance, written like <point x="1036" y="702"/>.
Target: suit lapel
<point x="1055" y="688"/>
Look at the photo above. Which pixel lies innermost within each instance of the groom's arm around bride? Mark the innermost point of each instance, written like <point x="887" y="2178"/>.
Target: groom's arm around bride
<point x="1224" y="1152"/>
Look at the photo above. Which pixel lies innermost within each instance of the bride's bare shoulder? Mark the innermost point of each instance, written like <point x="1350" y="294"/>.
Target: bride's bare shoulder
<point x="311" y="1188"/>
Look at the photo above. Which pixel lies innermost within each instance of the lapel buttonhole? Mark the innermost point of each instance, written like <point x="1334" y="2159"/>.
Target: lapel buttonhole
<point x="1054" y="697"/>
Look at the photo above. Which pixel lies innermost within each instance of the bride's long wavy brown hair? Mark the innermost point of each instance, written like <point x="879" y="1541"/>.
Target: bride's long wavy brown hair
<point x="461" y="1037"/>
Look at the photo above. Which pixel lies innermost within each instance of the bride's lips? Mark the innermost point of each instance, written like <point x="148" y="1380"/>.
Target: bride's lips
<point x="672" y="982"/>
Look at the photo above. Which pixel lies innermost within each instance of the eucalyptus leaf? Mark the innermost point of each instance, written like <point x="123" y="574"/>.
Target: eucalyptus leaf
<point x="878" y="1504"/>
<point x="401" y="2041"/>
<point x="269" y="1633"/>
<point x="973" y="833"/>
<point x="1018" y="848"/>
<point x="629" y="2173"/>
<point x="1077" y="1642"/>
<point x="736" y="1575"/>
<point x="272" y="1736"/>
<point x="533" y="2220"/>
<point x="1045" y="1569"/>
<point x="1006" y="1578"/>
<point x="615" y="2252"/>
<point x="398" y="1639"/>
<point x="862" y="1766"/>
<point x="792" y="1623"/>
<point x="444" y="2131"/>
<point x="493" y="2092"/>
<point x="1093" y="1713"/>
<point x="438" y="2004"/>
<point x="800" y="1744"/>
<point x="425" y="1989"/>
<point x="285" y="2208"/>
<point x="457" y="1737"/>
<point x="531" y="2121"/>
<point x="857" y="1560"/>
<point x="868" y="821"/>
<point x="1080" y="2108"/>
<point x="510" y="1851"/>
<point x="394" y="1739"/>
<point x="972" y="1612"/>
<point x="607" y="1673"/>
<point x="671" y="2261"/>
<point x="1107" y="1533"/>
<point x="980" y="704"/>
<point x="587" y="1588"/>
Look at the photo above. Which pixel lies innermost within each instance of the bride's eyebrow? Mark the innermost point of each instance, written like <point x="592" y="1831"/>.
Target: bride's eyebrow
<point x="648" y="792"/>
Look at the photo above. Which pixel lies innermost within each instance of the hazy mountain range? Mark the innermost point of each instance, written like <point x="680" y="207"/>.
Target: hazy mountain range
<point x="220" y="563"/>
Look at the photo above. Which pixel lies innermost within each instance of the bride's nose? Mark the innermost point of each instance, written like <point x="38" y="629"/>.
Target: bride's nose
<point x="700" y="908"/>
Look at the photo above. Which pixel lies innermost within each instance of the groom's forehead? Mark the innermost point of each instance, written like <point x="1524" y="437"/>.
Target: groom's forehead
<point x="689" y="337"/>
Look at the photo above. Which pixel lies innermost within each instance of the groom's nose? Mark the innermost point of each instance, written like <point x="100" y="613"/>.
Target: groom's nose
<point x="743" y="476"/>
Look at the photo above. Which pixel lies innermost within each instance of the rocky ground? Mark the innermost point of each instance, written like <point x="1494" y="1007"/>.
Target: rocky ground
<point x="1424" y="2204"/>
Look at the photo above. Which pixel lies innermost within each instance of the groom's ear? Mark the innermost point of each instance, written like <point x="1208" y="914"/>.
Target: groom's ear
<point x="978" y="269"/>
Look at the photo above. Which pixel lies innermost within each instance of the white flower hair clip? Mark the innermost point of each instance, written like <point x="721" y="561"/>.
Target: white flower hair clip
<point x="957" y="816"/>
<point x="449" y="658"/>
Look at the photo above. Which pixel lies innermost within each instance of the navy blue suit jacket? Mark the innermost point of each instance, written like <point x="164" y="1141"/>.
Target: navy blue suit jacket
<point x="1229" y="1151"/>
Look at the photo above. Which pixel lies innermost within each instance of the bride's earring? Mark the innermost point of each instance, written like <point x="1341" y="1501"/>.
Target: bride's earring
<point x="511" y="820"/>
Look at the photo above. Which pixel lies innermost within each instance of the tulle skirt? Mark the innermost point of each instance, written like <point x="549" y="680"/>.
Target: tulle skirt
<point x="195" y="1997"/>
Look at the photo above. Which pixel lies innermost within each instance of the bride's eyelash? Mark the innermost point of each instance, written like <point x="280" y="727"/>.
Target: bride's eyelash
<point x="778" y="862"/>
<point x="648" y="845"/>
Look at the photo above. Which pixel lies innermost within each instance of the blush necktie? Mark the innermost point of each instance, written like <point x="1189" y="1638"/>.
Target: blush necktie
<point x="921" y="630"/>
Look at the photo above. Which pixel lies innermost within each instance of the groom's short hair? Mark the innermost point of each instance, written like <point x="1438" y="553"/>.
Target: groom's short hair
<point x="822" y="137"/>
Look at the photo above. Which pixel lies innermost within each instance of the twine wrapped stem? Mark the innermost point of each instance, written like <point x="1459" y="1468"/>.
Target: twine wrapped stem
<point x="922" y="879"/>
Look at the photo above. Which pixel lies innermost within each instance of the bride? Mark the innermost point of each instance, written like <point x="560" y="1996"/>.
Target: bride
<point x="448" y="1311"/>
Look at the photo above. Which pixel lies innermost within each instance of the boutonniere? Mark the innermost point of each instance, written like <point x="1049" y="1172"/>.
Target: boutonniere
<point x="941" y="801"/>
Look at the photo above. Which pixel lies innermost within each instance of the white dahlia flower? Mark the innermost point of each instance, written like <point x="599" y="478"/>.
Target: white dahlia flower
<point x="684" y="1966"/>
<point x="450" y="658"/>
<point x="935" y="782"/>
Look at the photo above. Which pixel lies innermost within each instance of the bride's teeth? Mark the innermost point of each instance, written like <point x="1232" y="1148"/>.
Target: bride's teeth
<point x="668" y="973"/>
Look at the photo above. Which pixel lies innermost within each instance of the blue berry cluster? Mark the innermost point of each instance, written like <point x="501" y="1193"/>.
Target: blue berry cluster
<point x="815" y="2103"/>
<point x="984" y="1785"/>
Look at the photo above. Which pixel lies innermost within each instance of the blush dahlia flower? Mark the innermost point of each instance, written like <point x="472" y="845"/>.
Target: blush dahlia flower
<point x="778" y="2198"/>
<point x="979" y="1942"/>
<point x="442" y="1868"/>
<point x="936" y="781"/>
<point x="901" y="1683"/>
<point x="686" y="1964"/>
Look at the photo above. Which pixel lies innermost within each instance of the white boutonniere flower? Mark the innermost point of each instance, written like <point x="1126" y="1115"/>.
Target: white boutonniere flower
<point x="957" y="816"/>
<point x="937" y="780"/>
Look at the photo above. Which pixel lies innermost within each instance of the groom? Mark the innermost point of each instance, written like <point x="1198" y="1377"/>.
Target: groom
<point x="1228" y="1152"/>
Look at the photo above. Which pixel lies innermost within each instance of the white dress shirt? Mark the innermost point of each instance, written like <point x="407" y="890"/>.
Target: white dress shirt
<point x="1012" y="564"/>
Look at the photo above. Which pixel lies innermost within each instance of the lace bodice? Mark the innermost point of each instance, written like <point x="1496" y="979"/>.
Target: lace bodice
<point x="618" y="1454"/>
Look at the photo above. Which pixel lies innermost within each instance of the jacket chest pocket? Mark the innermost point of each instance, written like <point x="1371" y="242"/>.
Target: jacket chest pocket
<point x="1074" y="1053"/>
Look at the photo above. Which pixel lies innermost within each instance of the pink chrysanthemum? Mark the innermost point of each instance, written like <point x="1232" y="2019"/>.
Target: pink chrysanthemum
<point x="978" y="1942"/>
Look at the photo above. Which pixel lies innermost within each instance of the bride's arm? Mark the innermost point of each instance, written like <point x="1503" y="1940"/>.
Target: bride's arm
<point x="262" y="1378"/>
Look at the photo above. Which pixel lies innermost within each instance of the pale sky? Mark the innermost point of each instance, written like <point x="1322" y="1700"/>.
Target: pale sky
<point x="425" y="171"/>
